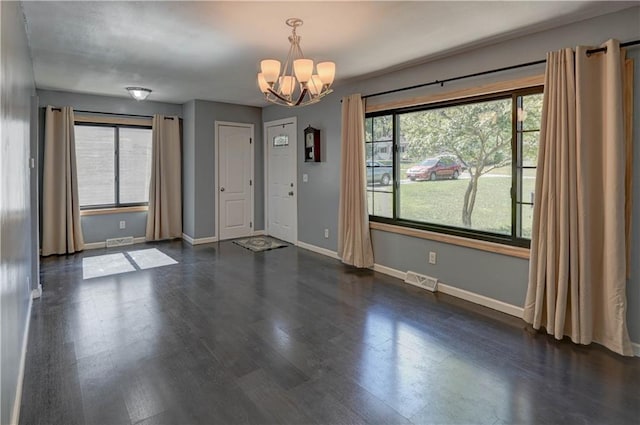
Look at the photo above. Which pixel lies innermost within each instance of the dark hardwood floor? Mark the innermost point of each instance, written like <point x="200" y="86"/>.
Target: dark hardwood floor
<point x="227" y="336"/>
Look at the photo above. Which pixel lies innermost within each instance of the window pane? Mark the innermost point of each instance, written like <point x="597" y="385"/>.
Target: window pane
<point x="380" y="203"/>
<point x="526" y="193"/>
<point x="457" y="170"/>
<point x="530" y="142"/>
<point x="135" y="165"/>
<point x="95" y="150"/>
<point x="526" y="214"/>
<point x="526" y="185"/>
<point x="442" y="202"/>
<point x="531" y="112"/>
<point x="368" y="148"/>
<point x="368" y="129"/>
<point x="383" y="128"/>
<point x="379" y="172"/>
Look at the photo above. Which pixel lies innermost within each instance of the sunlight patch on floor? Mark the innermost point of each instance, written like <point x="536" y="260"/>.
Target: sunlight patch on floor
<point x="105" y="265"/>
<point x="150" y="258"/>
<point x="110" y="264"/>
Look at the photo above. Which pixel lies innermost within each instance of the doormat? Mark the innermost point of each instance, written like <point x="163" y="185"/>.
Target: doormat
<point x="260" y="243"/>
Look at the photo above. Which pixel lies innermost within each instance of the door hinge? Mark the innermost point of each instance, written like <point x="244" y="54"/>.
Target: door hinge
<point x="250" y="140"/>
<point x="250" y="182"/>
<point x="250" y="224"/>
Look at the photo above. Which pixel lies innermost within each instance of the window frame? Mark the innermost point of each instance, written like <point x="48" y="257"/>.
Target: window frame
<point x="512" y="239"/>
<point x="116" y="159"/>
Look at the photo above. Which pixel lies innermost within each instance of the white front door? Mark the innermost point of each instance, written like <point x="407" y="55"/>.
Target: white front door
<point x="282" y="212"/>
<point x="235" y="180"/>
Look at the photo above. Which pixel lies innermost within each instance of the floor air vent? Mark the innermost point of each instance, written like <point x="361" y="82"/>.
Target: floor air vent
<point x="422" y="281"/>
<point x="120" y="241"/>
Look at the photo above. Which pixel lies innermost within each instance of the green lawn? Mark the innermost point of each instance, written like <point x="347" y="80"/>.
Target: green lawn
<point x="440" y="202"/>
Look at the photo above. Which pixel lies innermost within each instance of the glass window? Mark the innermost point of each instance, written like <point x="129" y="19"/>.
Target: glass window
<point x="134" y="165"/>
<point x="529" y="112"/>
<point x="465" y="167"/>
<point x="95" y="159"/>
<point x="114" y="165"/>
<point x="379" y="165"/>
<point x="437" y="188"/>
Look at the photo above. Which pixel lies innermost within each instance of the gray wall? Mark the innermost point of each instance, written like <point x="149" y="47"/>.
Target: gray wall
<point x="188" y="168"/>
<point x="35" y="180"/>
<point x="16" y="254"/>
<point x="493" y="275"/>
<point x="98" y="228"/>
<point x="199" y="163"/>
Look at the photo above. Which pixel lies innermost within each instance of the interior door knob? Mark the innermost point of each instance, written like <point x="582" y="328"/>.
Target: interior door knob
<point x="291" y="193"/>
<point x="222" y="189"/>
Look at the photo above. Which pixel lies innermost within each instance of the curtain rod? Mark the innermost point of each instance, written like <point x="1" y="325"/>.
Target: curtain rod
<point x="113" y="113"/>
<point x="477" y="74"/>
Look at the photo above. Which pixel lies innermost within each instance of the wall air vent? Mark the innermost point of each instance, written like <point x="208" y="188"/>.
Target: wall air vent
<point x="425" y="282"/>
<point x="128" y="240"/>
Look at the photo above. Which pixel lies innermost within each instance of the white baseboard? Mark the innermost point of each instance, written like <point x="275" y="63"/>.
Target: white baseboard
<point x="318" y="249"/>
<point x="95" y="245"/>
<point x="258" y="233"/>
<point x="15" y="413"/>
<point x="460" y="293"/>
<point x="510" y="309"/>
<point x="36" y="293"/>
<point x="198" y="241"/>
<point x="98" y="245"/>
<point x="389" y="271"/>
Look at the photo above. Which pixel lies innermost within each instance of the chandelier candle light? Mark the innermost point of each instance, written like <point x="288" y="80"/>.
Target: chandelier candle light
<point x="297" y="85"/>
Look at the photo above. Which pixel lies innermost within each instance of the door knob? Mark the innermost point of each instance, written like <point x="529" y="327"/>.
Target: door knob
<point x="222" y="189"/>
<point x="291" y="193"/>
<point x="291" y="184"/>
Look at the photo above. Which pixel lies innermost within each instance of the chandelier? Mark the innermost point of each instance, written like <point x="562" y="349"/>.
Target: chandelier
<point x="297" y="85"/>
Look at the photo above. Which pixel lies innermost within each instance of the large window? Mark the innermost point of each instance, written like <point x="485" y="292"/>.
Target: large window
<point x="114" y="165"/>
<point x="465" y="167"/>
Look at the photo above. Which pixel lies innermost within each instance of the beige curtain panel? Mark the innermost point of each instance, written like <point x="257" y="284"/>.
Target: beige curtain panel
<point x="164" y="219"/>
<point x="354" y="239"/>
<point x="577" y="271"/>
<point x="61" y="229"/>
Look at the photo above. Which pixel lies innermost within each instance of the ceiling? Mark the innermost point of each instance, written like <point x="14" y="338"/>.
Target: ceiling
<point x="212" y="50"/>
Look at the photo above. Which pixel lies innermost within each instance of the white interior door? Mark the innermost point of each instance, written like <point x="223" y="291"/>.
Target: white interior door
<point x="235" y="181"/>
<point x="282" y="212"/>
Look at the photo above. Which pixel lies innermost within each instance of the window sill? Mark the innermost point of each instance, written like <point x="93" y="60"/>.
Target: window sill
<point x="512" y="251"/>
<point x="119" y="210"/>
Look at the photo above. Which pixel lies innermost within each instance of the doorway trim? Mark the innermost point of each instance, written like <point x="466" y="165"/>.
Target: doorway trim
<point x="292" y="120"/>
<point x="216" y="178"/>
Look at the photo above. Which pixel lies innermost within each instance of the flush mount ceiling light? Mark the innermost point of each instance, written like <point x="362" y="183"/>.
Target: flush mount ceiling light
<point x="138" y="93"/>
<point x="297" y="85"/>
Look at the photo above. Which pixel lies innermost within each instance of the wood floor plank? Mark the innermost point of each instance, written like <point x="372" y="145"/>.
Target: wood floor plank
<point x="272" y="400"/>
